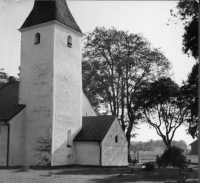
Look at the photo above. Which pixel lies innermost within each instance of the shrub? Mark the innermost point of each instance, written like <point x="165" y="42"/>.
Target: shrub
<point x="172" y="156"/>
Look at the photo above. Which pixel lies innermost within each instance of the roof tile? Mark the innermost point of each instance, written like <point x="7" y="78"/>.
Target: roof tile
<point x="9" y="97"/>
<point x="49" y="10"/>
<point x="94" y="128"/>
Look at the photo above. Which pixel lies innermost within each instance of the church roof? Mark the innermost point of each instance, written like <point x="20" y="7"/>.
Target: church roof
<point x="2" y="84"/>
<point x="9" y="106"/>
<point x="94" y="128"/>
<point x="194" y="143"/>
<point x="49" y="10"/>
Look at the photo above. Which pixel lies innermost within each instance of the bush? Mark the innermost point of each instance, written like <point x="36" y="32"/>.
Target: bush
<point x="172" y="156"/>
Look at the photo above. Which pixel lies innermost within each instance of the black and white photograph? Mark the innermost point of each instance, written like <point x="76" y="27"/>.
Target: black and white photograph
<point x="99" y="91"/>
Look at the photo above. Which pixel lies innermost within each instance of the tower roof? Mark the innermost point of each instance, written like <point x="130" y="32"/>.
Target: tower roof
<point x="48" y="10"/>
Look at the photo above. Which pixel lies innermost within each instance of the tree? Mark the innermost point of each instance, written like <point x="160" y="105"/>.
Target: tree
<point x="172" y="157"/>
<point x="4" y="77"/>
<point x="116" y="66"/>
<point x="163" y="108"/>
<point x="188" y="13"/>
<point x="190" y="93"/>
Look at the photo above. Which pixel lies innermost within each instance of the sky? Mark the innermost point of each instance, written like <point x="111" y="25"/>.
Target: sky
<point x="150" y="18"/>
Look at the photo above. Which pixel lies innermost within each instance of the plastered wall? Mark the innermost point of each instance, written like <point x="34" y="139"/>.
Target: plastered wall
<point x="115" y="153"/>
<point x="3" y="143"/>
<point x="87" y="109"/>
<point x="16" y="152"/>
<point x="67" y="94"/>
<point x="87" y="153"/>
<point x="36" y="92"/>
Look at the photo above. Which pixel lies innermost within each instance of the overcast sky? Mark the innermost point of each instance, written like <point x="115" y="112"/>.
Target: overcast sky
<point x="147" y="17"/>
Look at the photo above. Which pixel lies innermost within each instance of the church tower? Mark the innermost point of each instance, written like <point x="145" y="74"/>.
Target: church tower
<point x="50" y="83"/>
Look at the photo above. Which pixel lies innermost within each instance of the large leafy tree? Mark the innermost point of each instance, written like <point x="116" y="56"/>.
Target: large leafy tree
<point x="163" y="108"/>
<point x="190" y="93"/>
<point x="116" y="66"/>
<point x="188" y="13"/>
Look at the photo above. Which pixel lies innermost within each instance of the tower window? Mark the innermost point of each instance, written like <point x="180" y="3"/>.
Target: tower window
<point x="116" y="139"/>
<point x="37" y="38"/>
<point x="69" y="41"/>
<point x="69" y="138"/>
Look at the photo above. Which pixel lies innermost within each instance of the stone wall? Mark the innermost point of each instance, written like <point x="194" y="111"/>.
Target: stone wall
<point x="87" y="153"/>
<point x="115" y="147"/>
<point x="3" y="143"/>
<point x="36" y="92"/>
<point x="16" y="152"/>
<point x="67" y="93"/>
<point x="87" y="109"/>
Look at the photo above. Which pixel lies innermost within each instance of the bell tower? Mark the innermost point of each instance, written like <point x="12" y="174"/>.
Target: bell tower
<point x="50" y="83"/>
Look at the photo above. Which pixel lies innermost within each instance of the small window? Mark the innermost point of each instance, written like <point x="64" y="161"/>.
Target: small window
<point x="69" y="41"/>
<point x="116" y="138"/>
<point x="37" y="38"/>
<point x="69" y="138"/>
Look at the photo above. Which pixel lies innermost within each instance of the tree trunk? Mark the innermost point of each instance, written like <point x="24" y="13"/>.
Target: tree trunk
<point x="129" y="155"/>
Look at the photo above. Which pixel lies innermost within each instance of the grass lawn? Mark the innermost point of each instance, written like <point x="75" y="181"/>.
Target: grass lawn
<point x="78" y="174"/>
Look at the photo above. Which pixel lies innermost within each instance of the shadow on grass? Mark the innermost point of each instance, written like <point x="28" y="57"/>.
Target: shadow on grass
<point x="21" y="170"/>
<point x="91" y="171"/>
<point x="115" y="175"/>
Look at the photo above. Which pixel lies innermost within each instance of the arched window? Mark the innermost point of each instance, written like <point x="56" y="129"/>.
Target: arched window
<point x="37" y="38"/>
<point x="69" y="138"/>
<point x="69" y="41"/>
<point x="116" y="139"/>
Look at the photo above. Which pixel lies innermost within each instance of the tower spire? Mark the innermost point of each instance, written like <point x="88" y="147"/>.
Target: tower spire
<point x="48" y="10"/>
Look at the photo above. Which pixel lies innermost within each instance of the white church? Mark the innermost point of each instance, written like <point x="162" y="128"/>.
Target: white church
<point x="45" y="119"/>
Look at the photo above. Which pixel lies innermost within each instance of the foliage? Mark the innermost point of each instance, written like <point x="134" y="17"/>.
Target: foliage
<point x="188" y="13"/>
<point x="4" y="77"/>
<point x="152" y="144"/>
<point x="163" y="108"/>
<point x="190" y="93"/>
<point x="172" y="156"/>
<point x="116" y="66"/>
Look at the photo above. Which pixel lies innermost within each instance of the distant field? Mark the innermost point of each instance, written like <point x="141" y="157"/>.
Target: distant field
<point x="147" y="156"/>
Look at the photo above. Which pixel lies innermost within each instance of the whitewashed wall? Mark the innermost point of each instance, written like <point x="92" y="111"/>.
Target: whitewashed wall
<point x="3" y="143"/>
<point x="87" y="153"/>
<point x="115" y="154"/>
<point x="16" y="150"/>
<point x="67" y="93"/>
<point x="87" y="109"/>
<point x="36" y="92"/>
